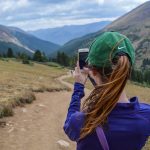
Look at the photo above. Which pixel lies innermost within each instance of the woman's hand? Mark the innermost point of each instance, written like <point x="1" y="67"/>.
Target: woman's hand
<point x="81" y="77"/>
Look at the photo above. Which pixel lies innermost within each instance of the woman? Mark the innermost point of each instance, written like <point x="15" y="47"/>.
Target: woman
<point x="125" y="121"/>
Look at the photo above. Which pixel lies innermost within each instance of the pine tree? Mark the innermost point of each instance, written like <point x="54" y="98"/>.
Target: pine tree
<point x="58" y="58"/>
<point x="147" y="76"/>
<point x="44" y="57"/>
<point x="37" y="56"/>
<point x="10" y="53"/>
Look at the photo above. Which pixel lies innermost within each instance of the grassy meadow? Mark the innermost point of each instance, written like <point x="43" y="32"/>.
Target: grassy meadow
<point x="18" y="82"/>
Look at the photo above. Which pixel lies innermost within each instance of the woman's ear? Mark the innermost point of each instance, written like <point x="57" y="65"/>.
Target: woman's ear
<point x="96" y="76"/>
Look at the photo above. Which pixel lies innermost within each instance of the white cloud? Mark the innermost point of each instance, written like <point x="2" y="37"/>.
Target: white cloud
<point x="10" y="5"/>
<point x="22" y="3"/>
<point x="6" y="5"/>
<point x="34" y="14"/>
<point x="47" y="23"/>
<point x="100" y="1"/>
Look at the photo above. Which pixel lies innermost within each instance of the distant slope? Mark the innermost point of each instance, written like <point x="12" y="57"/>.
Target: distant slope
<point x="61" y="35"/>
<point x="135" y="25"/>
<point x="21" y="41"/>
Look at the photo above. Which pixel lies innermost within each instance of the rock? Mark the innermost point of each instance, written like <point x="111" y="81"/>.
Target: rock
<point x="63" y="144"/>
<point x="10" y="130"/>
<point x="41" y="105"/>
<point x="10" y="123"/>
<point x="24" y="110"/>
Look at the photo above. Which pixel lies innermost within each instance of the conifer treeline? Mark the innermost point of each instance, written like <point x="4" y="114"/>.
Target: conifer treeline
<point x="141" y="76"/>
<point x="145" y="63"/>
<point x="64" y="60"/>
<point x="38" y="55"/>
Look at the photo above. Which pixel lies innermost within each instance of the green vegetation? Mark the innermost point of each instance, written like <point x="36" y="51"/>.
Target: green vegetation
<point x="143" y="44"/>
<point x="145" y="64"/>
<point x="65" y="60"/>
<point x="62" y="58"/>
<point x="133" y="37"/>
<point x="141" y="77"/>
<point x="40" y="57"/>
<point x="10" y="53"/>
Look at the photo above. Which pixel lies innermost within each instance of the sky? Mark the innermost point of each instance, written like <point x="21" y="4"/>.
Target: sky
<point x="40" y="14"/>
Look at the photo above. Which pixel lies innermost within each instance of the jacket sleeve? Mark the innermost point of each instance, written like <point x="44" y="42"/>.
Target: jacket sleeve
<point x="75" y="118"/>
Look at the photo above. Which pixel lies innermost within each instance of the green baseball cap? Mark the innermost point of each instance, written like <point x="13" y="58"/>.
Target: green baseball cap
<point x="106" y="46"/>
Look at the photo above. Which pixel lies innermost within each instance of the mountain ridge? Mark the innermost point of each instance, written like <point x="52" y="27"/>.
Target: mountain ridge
<point x="61" y="35"/>
<point x="22" y="41"/>
<point x="137" y="30"/>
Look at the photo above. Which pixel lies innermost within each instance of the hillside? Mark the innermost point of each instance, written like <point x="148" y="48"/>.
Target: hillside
<point x="61" y="35"/>
<point x="21" y="41"/>
<point x="135" y="25"/>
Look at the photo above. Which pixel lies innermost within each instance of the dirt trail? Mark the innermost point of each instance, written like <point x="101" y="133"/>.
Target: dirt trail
<point x="38" y="126"/>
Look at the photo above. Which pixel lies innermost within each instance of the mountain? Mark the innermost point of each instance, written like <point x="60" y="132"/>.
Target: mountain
<point x="21" y="41"/>
<point x="135" y="25"/>
<point x="61" y="35"/>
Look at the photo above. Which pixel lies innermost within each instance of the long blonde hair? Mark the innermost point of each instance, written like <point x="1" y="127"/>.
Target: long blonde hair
<point x="104" y="97"/>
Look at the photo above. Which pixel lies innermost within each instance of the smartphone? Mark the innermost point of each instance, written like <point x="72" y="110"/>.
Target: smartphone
<point x="82" y="56"/>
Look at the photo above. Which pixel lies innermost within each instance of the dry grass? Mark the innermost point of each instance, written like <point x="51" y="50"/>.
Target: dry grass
<point x="142" y="92"/>
<point x="18" y="82"/>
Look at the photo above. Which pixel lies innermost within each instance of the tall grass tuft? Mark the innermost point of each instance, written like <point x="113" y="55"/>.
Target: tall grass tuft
<point x="6" y="107"/>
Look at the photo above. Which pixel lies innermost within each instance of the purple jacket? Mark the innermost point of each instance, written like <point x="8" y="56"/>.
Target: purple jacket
<point x="128" y="125"/>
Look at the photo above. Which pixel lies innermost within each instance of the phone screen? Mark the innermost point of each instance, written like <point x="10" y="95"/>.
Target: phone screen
<point x="82" y="58"/>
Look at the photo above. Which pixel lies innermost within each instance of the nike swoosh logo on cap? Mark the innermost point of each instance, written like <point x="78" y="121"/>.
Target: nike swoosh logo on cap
<point x="121" y="47"/>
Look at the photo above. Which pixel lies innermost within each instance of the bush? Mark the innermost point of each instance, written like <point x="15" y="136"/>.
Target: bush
<point x="25" y="61"/>
<point x="27" y="97"/>
<point x="4" y="59"/>
<point x="6" y="110"/>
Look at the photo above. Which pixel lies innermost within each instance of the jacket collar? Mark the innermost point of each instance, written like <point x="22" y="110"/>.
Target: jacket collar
<point x="126" y="108"/>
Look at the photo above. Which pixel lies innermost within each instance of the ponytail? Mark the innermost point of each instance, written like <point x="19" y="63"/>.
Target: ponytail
<point x="104" y="97"/>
